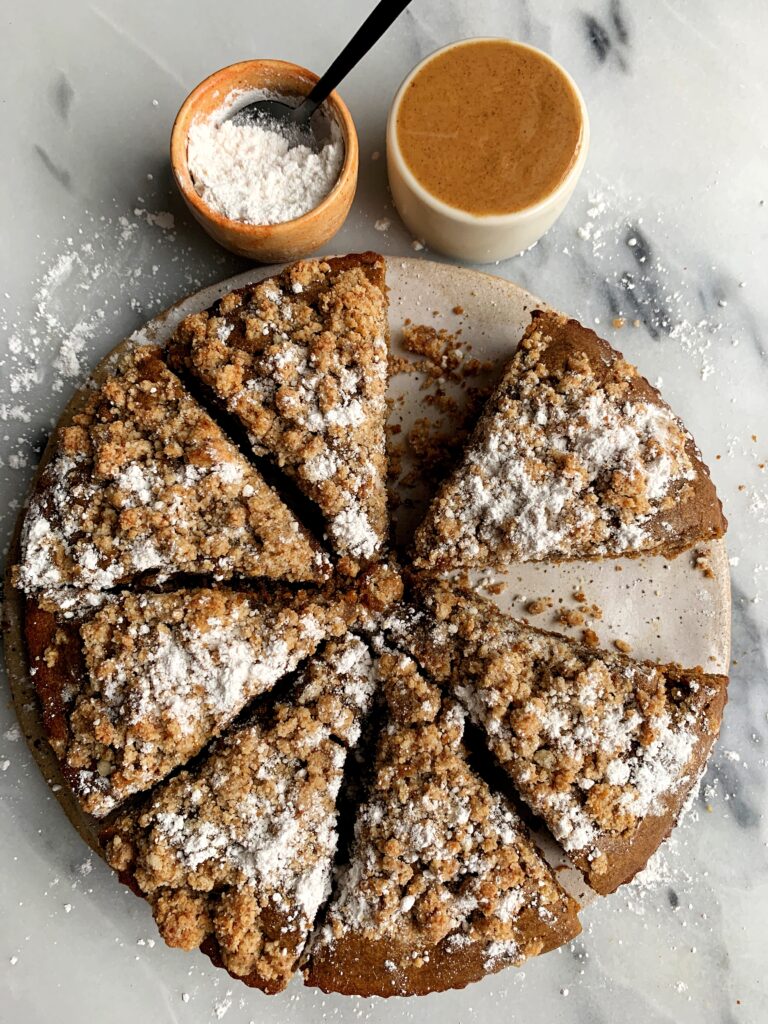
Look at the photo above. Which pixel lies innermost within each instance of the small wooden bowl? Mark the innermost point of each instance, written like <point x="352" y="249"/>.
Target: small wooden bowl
<point x="265" y="243"/>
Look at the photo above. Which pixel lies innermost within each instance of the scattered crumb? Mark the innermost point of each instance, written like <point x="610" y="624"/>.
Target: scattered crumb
<point x="539" y="605"/>
<point x="570" y="617"/>
<point x="496" y="588"/>
<point x="702" y="563"/>
<point x="440" y="348"/>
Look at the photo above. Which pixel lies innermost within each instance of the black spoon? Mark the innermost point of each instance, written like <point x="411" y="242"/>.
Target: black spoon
<point x="294" y="121"/>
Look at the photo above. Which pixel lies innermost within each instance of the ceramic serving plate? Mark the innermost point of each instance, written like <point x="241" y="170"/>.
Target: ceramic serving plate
<point x="666" y="610"/>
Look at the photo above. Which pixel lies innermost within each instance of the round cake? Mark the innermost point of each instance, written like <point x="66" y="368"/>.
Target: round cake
<point x="311" y="750"/>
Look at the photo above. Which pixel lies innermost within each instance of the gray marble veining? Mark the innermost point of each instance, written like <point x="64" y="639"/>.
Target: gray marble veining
<point x="669" y="227"/>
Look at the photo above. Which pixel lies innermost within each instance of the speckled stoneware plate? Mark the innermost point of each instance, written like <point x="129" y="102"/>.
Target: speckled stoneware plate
<point x="665" y="610"/>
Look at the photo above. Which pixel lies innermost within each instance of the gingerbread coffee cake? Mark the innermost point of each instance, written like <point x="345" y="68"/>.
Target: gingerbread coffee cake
<point x="603" y="748"/>
<point x="574" y="456"/>
<point x="443" y="884"/>
<point x="138" y="686"/>
<point x="144" y="480"/>
<point x="306" y="758"/>
<point x="235" y="853"/>
<point x="301" y="360"/>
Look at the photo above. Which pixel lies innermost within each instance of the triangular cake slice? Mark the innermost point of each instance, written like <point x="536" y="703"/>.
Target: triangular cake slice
<point x="235" y="853"/>
<point x="301" y="360"/>
<point x="603" y="748"/>
<point x="574" y="456"/>
<point x="142" y="683"/>
<point x="443" y="884"/>
<point x="144" y="480"/>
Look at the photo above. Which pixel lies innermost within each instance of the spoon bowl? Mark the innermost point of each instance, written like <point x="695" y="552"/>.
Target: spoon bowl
<point x="278" y="117"/>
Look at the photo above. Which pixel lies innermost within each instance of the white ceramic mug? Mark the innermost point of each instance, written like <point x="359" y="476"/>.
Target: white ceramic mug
<point x="468" y="236"/>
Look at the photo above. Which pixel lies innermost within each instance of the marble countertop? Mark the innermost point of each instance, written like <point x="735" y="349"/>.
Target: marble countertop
<point x="668" y="228"/>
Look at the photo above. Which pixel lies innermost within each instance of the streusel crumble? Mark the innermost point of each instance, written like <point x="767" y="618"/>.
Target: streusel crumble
<point x="443" y="884"/>
<point x="143" y="479"/>
<point x="605" y="749"/>
<point x="139" y="686"/>
<point x="301" y="361"/>
<point x="574" y="456"/>
<point x="235" y="854"/>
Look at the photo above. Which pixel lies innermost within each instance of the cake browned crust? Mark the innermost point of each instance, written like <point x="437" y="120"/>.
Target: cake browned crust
<point x="574" y="456"/>
<point x="142" y="682"/>
<point x="235" y="853"/>
<point x="143" y="480"/>
<point x="603" y="748"/>
<point x="443" y="884"/>
<point x="301" y="360"/>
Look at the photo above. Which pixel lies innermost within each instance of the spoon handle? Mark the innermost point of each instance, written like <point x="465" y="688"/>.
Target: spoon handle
<point x="372" y="29"/>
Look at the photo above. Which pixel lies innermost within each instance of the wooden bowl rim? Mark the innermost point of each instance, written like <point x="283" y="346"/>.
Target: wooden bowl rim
<point x="251" y="233"/>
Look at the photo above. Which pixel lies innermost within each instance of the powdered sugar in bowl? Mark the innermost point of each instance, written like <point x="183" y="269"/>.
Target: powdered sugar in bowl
<point x="250" y="192"/>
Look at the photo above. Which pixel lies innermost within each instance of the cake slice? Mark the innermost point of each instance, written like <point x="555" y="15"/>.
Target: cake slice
<point x="443" y="884"/>
<point x="603" y="748"/>
<point x="235" y="853"/>
<point x="144" y="480"/>
<point x="140" y="684"/>
<point x="301" y="361"/>
<point x="574" y="456"/>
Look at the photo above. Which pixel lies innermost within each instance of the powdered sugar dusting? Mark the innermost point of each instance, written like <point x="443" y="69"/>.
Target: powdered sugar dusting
<point x="251" y="173"/>
<point x="168" y="672"/>
<point x="352" y="531"/>
<point x="593" y="742"/>
<point x="141" y="483"/>
<point x="430" y="866"/>
<point x="243" y="843"/>
<point x="560" y="466"/>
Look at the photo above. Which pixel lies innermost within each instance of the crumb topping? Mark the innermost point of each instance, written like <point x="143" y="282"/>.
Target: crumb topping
<point x="569" y="459"/>
<point x="593" y="741"/>
<point x="240" y="848"/>
<point x="301" y="360"/>
<point x="142" y="480"/>
<point x="436" y="857"/>
<point x="164" y="673"/>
